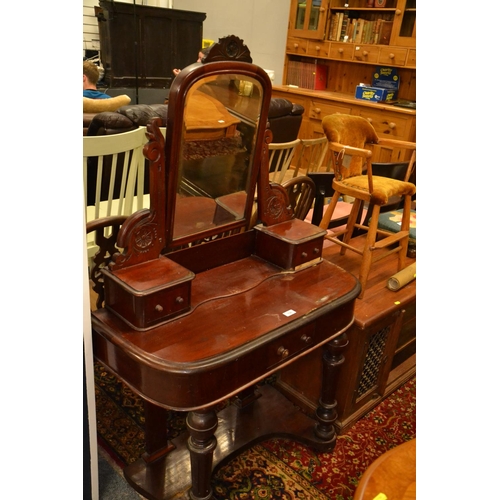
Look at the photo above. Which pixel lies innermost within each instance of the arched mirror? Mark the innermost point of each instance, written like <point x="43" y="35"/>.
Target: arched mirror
<point x="215" y="133"/>
<point x="213" y="152"/>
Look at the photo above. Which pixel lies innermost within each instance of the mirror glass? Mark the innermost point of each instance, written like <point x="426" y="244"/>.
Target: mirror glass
<point x="217" y="148"/>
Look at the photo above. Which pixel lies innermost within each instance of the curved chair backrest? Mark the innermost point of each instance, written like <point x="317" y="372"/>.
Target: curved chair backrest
<point x="301" y="192"/>
<point x="312" y="156"/>
<point x="113" y="173"/>
<point x="280" y="159"/>
<point x="113" y="177"/>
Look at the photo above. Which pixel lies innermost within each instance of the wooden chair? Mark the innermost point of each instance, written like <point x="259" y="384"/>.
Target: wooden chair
<point x="301" y="192"/>
<point x="280" y="159"/>
<point x="312" y="156"/>
<point x="113" y="176"/>
<point x="349" y="139"/>
<point x="104" y="233"/>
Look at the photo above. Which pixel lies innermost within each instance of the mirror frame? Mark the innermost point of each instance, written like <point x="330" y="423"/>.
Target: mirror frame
<point x="183" y="83"/>
<point x="147" y="233"/>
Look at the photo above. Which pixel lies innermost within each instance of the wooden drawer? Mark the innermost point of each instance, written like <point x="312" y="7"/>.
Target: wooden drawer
<point x="316" y="48"/>
<point x="366" y="53"/>
<point x="318" y="109"/>
<point x="283" y="349"/>
<point x="392" y="56"/>
<point x="411" y="59"/>
<point x="341" y="51"/>
<point x="386" y="123"/>
<point x="296" y="46"/>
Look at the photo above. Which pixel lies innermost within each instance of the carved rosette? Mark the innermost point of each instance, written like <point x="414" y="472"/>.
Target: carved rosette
<point x="229" y="48"/>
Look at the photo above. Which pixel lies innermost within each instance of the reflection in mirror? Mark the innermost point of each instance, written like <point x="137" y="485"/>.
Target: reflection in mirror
<point x="221" y="118"/>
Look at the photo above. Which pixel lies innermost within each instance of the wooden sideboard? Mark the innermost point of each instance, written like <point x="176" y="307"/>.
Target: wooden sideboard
<point x="387" y="119"/>
<point x="380" y="356"/>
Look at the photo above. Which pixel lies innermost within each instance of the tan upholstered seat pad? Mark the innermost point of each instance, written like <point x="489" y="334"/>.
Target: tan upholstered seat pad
<point x="383" y="187"/>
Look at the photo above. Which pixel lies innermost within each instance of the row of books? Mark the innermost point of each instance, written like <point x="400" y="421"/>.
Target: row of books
<point x="307" y="75"/>
<point x="367" y="31"/>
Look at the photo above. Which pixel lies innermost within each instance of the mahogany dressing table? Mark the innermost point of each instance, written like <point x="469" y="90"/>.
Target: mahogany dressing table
<point x="199" y="306"/>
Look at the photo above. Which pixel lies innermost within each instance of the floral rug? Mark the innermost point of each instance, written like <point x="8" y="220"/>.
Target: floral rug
<point x="273" y="469"/>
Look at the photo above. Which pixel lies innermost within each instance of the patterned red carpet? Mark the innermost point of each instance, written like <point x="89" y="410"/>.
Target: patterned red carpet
<point x="276" y="468"/>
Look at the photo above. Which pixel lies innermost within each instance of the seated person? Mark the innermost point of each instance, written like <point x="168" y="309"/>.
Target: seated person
<point x="201" y="54"/>
<point x="90" y="79"/>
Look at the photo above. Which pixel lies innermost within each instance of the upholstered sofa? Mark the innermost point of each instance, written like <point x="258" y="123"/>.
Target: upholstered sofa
<point x="284" y="118"/>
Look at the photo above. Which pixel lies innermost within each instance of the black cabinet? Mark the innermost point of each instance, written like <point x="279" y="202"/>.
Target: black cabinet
<point x="141" y="45"/>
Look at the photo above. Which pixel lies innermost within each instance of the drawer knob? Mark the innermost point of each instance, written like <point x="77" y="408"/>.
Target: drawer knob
<point x="158" y="308"/>
<point x="317" y="110"/>
<point x="295" y="45"/>
<point x="283" y="352"/>
<point x="341" y="51"/>
<point x="391" y="56"/>
<point x="179" y="300"/>
<point x="365" y="53"/>
<point x="316" y="251"/>
<point x="392" y="125"/>
<point x="317" y="48"/>
<point x="304" y="254"/>
<point x="305" y="338"/>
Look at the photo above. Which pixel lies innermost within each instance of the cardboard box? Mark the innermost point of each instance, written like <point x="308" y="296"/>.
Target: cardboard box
<point x="386" y="78"/>
<point x="375" y="94"/>
<point x="384" y="87"/>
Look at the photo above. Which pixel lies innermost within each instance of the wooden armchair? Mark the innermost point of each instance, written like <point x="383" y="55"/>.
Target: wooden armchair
<point x="113" y="176"/>
<point x="280" y="159"/>
<point x="103" y="233"/>
<point x="312" y="156"/>
<point x="350" y="139"/>
<point x="301" y="191"/>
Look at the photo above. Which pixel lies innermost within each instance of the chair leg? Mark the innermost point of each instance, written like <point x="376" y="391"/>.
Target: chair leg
<point x="327" y="217"/>
<point x="405" y="226"/>
<point x="366" y="261"/>
<point x="351" y="221"/>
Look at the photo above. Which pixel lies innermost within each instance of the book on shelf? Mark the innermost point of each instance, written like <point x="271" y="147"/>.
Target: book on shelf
<point x="359" y="30"/>
<point x="333" y="26"/>
<point x="308" y="75"/>
<point x="376" y="30"/>
<point x="385" y="32"/>
<point x="352" y="30"/>
<point x="345" y="23"/>
<point x="339" y="27"/>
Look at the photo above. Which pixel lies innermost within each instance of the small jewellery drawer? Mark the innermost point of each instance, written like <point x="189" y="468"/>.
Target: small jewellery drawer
<point x="283" y="349"/>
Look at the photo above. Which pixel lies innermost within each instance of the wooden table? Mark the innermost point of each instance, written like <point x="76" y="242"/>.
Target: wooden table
<point x="248" y="319"/>
<point x="393" y="474"/>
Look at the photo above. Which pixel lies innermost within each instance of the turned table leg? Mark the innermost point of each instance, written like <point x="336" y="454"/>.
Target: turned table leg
<point x="326" y="413"/>
<point x="201" y="443"/>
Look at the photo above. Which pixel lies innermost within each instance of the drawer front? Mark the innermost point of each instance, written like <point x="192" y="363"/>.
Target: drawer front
<point x="386" y="123"/>
<point x="318" y="49"/>
<point x="305" y="252"/>
<point x="341" y="51"/>
<point x="165" y="303"/>
<point x="411" y="60"/>
<point x="319" y="109"/>
<point x="366" y="53"/>
<point x="283" y="349"/>
<point x="392" y="56"/>
<point x="296" y="46"/>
